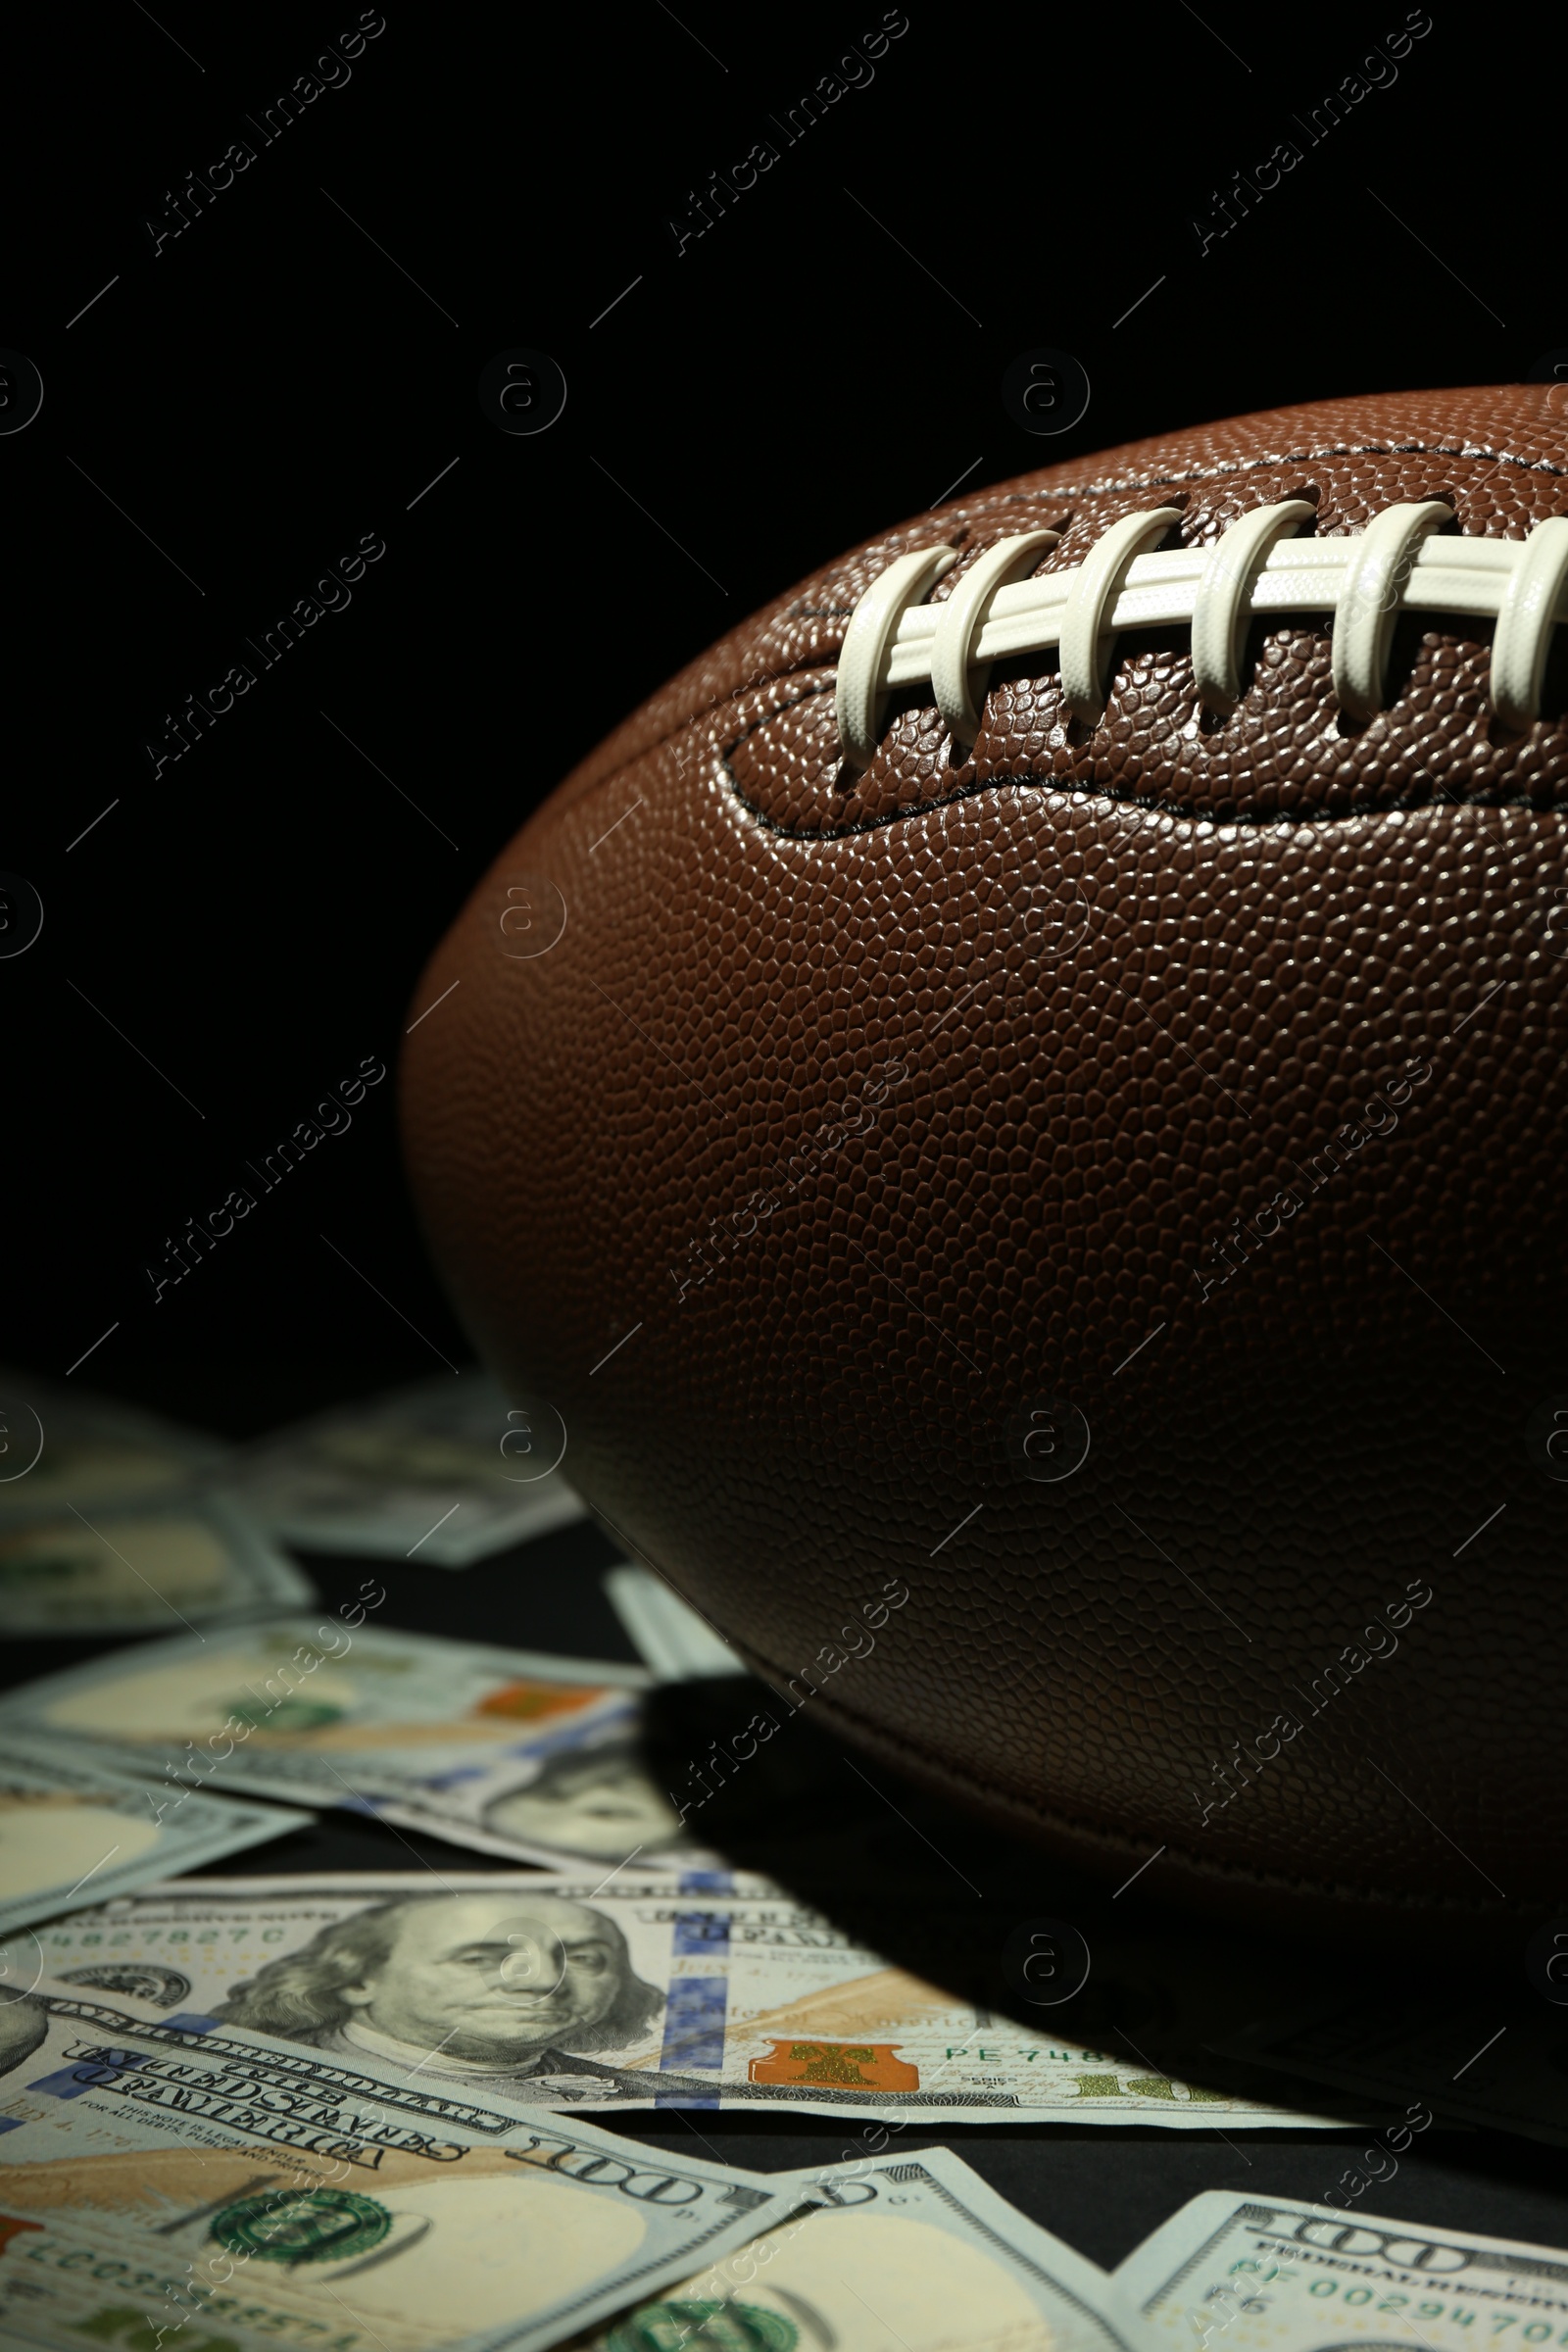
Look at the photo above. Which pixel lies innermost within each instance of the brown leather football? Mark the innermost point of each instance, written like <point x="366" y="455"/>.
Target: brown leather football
<point x="1017" y="1111"/>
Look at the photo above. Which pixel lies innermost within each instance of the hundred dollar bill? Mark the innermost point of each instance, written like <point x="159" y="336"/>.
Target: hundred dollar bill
<point x="145" y="1570"/>
<point x="71" y="1836"/>
<point x="61" y="1446"/>
<point x="446" y="1472"/>
<point x="157" y="2171"/>
<point x="674" y="1643"/>
<point x="1262" y="2274"/>
<point x="695" y="1989"/>
<point x="898" y="2255"/>
<point x="1492" y="2063"/>
<point x="536" y="1759"/>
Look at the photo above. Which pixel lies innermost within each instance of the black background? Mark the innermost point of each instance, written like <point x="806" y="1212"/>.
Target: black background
<point x="301" y="367"/>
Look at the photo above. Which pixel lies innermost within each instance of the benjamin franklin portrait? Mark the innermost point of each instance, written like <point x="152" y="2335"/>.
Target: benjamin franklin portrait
<point x="504" y="1989"/>
<point x="24" y="2023"/>
<point x="596" y="1800"/>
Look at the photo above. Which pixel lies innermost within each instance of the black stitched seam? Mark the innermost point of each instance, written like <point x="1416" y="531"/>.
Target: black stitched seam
<point x="1068" y="790"/>
<point x="986" y="500"/>
<point x="1070" y="490"/>
<point x="897" y="1745"/>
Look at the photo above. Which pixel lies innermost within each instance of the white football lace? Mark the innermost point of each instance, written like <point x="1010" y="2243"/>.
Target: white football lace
<point x="1366" y="579"/>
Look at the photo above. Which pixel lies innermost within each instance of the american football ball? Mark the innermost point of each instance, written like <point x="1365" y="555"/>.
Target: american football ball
<point x="1015" y="1111"/>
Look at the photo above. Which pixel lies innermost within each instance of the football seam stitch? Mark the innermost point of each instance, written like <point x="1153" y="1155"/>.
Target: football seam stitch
<point x="876" y="1734"/>
<point x="988" y="501"/>
<point x="1074" y="790"/>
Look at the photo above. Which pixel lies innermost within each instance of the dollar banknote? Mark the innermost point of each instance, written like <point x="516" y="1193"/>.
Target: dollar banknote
<point x="71" y="1835"/>
<point x="158" y="2171"/>
<point x="1262" y="2274"/>
<point x="536" y="1759"/>
<point x="185" y="1561"/>
<point x="890" y="2255"/>
<point x="695" y="1989"/>
<point x="66" y="1447"/>
<point x="446" y="1472"/>
<point x="674" y="1643"/>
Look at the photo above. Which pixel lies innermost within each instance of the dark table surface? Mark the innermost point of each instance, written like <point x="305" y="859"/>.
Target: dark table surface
<point x="879" y="1858"/>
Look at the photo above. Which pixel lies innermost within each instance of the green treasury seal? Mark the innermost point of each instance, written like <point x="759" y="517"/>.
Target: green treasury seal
<point x="303" y="2224"/>
<point x="690" y="2326"/>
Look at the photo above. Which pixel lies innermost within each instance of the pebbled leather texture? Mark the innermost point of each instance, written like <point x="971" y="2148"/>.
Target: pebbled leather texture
<point x="850" y="1119"/>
